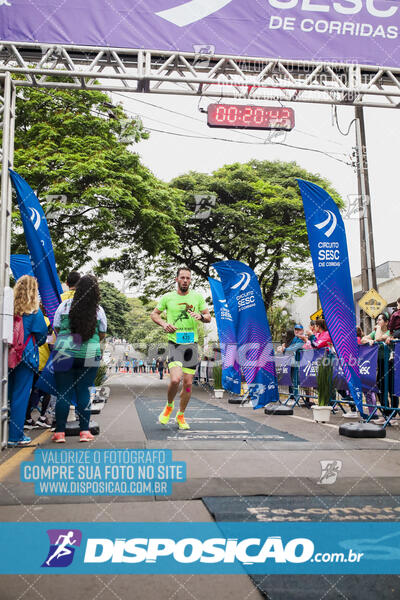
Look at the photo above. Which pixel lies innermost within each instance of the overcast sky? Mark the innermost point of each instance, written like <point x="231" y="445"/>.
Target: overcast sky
<point x="168" y="156"/>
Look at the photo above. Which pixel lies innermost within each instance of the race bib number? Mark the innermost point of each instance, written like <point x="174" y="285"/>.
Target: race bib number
<point x="184" y="337"/>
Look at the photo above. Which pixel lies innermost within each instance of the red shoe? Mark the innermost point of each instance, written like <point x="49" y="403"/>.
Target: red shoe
<point x="58" y="437"/>
<point x="86" y="436"/>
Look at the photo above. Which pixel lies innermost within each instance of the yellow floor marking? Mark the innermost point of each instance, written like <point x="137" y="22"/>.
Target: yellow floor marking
<point x="13" y="462"/>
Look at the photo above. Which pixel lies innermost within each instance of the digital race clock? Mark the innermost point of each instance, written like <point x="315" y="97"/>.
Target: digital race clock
<point x="241" y="116"/>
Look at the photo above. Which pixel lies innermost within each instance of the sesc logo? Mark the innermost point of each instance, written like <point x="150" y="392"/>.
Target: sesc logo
<point x="192" y="11"/>
<point x="330" y="223"/>
<point x="192" y="550"/>
<point x="224" y="311"/>
<point x="62" y="547"/>
<point x="243" y="282"/>
<point x="365" y="367"/>
<point x="311" y="368"/>
<point x="35" y="218"/>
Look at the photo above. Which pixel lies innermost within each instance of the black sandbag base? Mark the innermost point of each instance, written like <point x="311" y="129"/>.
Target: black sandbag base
<point x="362" y="430"/>
<point x="72" y="428"/>
<point x="278" y="409"/>
<point x="234" y="400"/>
<point x="97" y="407"/>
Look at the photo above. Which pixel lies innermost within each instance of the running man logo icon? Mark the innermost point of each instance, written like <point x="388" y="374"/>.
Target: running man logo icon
<point x="63" y="543"/>
<point x="330" y="469"/>
<point x="183" y="314"/>
<point x="190" y="12"/>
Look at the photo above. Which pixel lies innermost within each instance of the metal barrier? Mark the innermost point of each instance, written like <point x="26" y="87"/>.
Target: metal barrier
<point x="384" y="392"/>
<point x="204" y="376"/>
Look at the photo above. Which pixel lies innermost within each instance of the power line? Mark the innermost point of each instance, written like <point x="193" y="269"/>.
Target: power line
<point x="198" y="137"/>
<point x="211" y="138"/>
<point x="174" y="112"/>
<point x="262" y="141"/>
<point x="335" y="115"/>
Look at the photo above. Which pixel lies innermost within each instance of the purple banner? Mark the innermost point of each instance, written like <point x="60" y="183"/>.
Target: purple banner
<point x="355" y="31"/>
<point x="308" y="367"/>
<point x="283" y="366"/>
<point x="367" y="362"/>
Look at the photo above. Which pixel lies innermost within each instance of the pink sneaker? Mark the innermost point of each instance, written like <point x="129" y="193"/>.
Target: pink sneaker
<point x="86" y="436"/>
<point x="58" y="437"/>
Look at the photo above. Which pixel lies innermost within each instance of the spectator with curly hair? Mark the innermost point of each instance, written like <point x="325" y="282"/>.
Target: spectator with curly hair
<point x="20" y="378"/>
<point x="80" y="323"/>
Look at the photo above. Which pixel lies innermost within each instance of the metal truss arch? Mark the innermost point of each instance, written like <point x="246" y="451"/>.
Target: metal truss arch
<point x="214" y="76"/>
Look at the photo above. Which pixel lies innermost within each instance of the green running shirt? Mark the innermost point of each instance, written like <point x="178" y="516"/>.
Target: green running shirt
<point x="176" y="306"/>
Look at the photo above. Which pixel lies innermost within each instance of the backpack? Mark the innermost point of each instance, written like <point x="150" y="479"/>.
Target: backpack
<point x="17" y="347"/>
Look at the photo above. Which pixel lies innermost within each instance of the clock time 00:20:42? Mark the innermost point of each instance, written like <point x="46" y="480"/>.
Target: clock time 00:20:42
<point x="242" y="116"/>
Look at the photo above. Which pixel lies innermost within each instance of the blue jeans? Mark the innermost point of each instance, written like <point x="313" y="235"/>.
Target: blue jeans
<point x="74" y="384"/>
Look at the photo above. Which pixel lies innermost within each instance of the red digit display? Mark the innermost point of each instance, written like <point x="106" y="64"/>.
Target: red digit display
<point x="241" y="116"/>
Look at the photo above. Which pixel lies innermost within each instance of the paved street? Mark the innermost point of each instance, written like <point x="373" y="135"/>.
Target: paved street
<point x="242" y="465"/>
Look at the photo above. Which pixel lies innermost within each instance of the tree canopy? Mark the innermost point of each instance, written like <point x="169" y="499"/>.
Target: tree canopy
<point x="144" y="333"/>
<point x="258" y="218"/>
<point x="117" y="309"/>
<point x="103" y="206"/>
<point x="72" y="147"/>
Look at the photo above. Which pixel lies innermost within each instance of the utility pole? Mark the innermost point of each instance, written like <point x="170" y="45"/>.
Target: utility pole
<point x="367" y="251"/>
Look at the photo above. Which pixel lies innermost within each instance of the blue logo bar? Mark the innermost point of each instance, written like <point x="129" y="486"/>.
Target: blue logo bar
<point x="191" y="548"/>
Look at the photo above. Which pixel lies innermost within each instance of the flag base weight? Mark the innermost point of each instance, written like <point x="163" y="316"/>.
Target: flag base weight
<point x="362" y="430"/>
<point x="278" y="409"/>
<point x="234" y="400"/>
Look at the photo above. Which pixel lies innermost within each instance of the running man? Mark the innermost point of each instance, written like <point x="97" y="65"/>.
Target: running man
<point x="62" y="543"/>
<point x="184" y="308"/>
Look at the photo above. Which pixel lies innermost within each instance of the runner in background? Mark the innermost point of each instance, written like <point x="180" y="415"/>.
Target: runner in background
<point x="184" y="309"/>
<point x="160" y="367"/>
